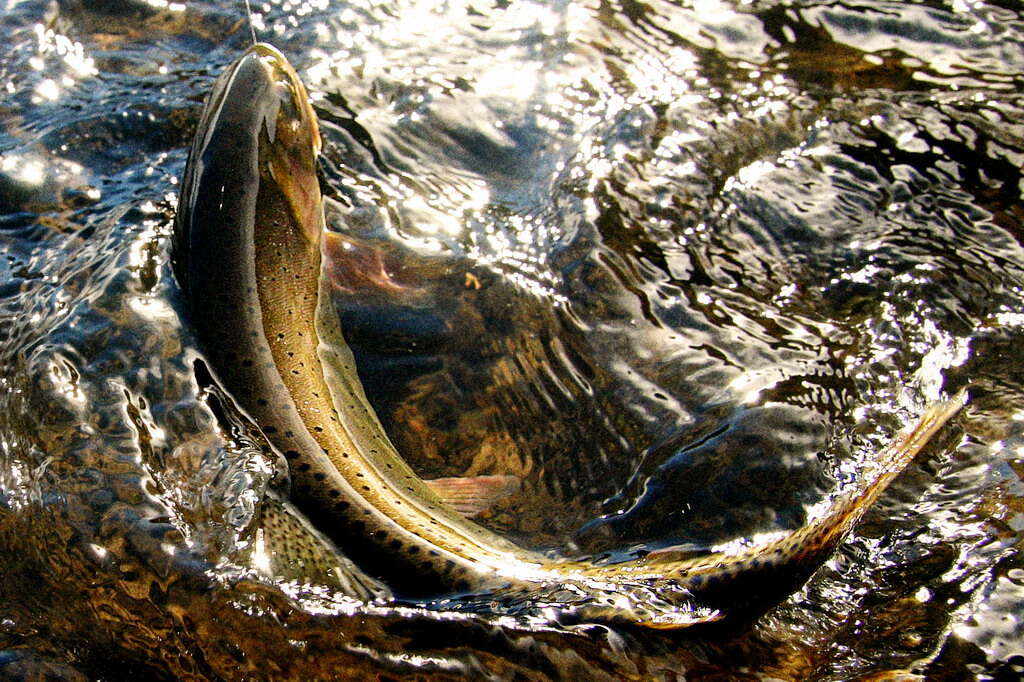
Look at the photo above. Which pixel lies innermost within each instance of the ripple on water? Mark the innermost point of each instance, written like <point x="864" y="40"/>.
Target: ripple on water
<point x="681" y="270"/>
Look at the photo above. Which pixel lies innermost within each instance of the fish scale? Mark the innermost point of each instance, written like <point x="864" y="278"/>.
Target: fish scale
<point x="246" y="252"/>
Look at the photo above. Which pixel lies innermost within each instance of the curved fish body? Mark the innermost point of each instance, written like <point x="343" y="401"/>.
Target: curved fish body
<point x="246" y="253"/>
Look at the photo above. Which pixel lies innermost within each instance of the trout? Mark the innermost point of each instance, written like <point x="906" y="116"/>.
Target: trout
<point x="247" y="255"/>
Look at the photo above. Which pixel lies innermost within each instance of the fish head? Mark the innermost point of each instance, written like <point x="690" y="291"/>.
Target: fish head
<point x="292" y="143"/>
<point x="257" y="131"/>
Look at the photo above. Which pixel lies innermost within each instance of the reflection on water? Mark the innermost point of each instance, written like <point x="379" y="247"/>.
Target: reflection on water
<point x="679" y="269"/>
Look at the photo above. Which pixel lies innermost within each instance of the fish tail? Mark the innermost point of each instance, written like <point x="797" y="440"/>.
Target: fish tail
<point x="674" y="587"/>
<point x="757" y="573"/>
<point x="890" y="462"/>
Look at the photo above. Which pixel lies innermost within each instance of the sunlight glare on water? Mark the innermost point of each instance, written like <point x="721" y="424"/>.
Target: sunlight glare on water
<point x="679" y="271"/>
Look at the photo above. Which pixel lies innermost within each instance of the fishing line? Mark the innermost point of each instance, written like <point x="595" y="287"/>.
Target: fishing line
<point x="252" y="29"/>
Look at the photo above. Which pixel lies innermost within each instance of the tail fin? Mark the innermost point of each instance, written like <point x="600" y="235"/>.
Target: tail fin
<point x="748" y="578"/>
<point x="829" y="530"/>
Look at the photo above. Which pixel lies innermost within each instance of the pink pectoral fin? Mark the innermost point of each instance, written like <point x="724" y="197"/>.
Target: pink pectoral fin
<point x="473" y="495"/>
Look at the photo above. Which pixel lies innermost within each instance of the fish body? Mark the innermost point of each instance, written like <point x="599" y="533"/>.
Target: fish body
<point x="247" y="254"/>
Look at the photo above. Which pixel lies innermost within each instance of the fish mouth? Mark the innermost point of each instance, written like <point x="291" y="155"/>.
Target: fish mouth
<point x="257" y="127"/>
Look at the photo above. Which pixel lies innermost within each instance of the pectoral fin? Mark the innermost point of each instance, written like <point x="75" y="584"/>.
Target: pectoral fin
<point x="473" y="495"/>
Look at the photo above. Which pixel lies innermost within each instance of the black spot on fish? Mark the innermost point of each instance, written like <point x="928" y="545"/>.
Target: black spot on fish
<point x="319" y="477"/>
<point x="341" y="506"/>
<point x="333" y="493"/>
<point x="291" y="454"/>
<point x="304" y="467"/>
<point x="262" y="402"/>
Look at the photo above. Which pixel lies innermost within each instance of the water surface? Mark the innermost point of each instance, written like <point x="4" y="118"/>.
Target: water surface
<point x="679" y="269"/>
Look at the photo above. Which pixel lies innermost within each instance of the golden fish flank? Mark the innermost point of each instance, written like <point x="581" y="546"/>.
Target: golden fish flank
<point x="246" y="252"/>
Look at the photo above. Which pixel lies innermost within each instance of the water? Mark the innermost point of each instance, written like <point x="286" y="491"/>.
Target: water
<point x="680" y="270"/>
